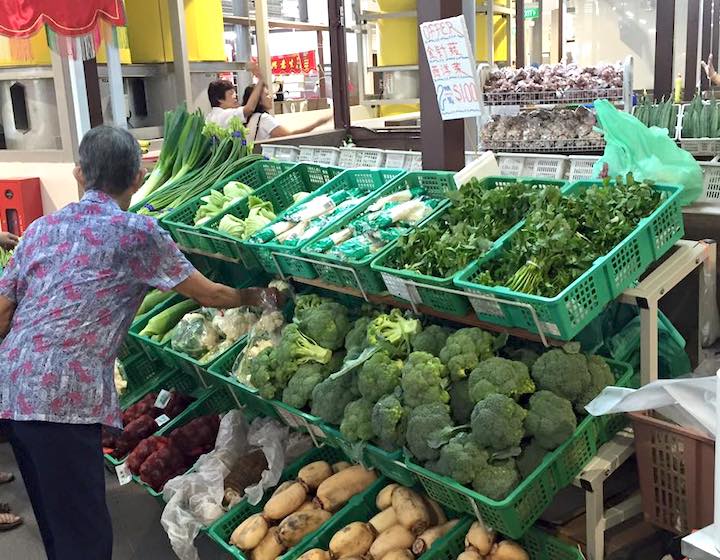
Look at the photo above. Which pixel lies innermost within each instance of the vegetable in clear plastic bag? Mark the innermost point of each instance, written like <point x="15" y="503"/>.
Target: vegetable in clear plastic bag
<point x="264" y="334"/>
<point x="195" y="334"/>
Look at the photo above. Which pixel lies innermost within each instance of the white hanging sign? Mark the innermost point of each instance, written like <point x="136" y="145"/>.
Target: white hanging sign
<point x="452" y="66"/>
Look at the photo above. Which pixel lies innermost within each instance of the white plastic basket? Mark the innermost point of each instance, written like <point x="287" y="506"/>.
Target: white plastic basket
<point x="361" y="157"/>
<point x="711" y="183"/>
<point x="697" y="146"/>
<point x="533" y="165"/>
<point x="324" y="155"/>
<point x="581" y="167"/>
<point x="268" y="150"/>
<point x="286" y="153"/>
<point x="397" y="159"/>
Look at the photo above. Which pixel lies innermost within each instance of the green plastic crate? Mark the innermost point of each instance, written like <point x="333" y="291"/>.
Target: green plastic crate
<point x="221" y="530"/>
<point x="389" y="463"/>
<point x="303" y="177"/>
<point x="514" y="515"/>
<point x="366" y="180"/>
<point x="454" y="304"/>
<point x="566" y="314"/>
<point x="141" y="371"/>
<point x="129" y="348"/>
<point x="212" y="401"/>
<point x="155" y="349"/>
<point x="180" y="222"/>
<point x="435" y="183"/>
<point x="169" y="379"/>
<point x="188" y="363"/>
<point x="538" y="544"/>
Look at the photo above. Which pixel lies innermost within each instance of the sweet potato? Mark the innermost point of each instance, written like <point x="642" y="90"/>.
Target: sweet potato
<point x="384" y="520"/>
<point x="315" y="473"/>
<point x="480" y="538"/>
<point x="282" y="504"/>
<point x="269" y="548"/>
<point x="428" y="537"/>
<point x="384" y="497"/>
<point x="411" y="510"/>
<point x="394" y="538"/>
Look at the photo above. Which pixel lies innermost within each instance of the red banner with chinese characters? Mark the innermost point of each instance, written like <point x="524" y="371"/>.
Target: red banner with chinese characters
<point x="23" y="18"/>
<point x="295" y="63"/>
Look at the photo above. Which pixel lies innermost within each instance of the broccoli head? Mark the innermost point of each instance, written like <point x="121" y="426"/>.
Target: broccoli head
<point x="308" y="301"/>
<point x="379" y="376"/>
<point x="461" y="459"/>
<point x="497" y="422"/>
<point x="300" y="387"/>
<point x="296" y="349"/>
<point x="564" y="371"/>
<point x="393" y="332"/>
<point x="356" y="338"/>
<point x="601" y="376"/>
<point x="424" y="380"/>
<point x="331" y="396"/>
<point x="431" y="339"/>
<point x="550" y="419"/>
<point x="356" y="424"/>
<point x="465" y="349"/>
<point x="498" y="375"/>
<point x="326" y="324"/>
<point x="531" y="456"/>
<point x="389" y="421"/>
<point x="497" y="479"/>
<point x="461" y="405"/>
<point x="423" y="421"/>
<point x="262" y="371"/>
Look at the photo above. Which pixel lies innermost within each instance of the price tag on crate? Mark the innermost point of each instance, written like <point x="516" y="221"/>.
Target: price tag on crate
<point x="486" y="307"/>
<point x="550" y="328"/>
<point x="123" y="473"/>
<point x="397" y="287"/>
<point x="163" y="399"/>
<point x="162" y="420"/>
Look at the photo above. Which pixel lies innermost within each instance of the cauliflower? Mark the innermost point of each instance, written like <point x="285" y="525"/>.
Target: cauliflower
<point x="461" y="459"/>
<point x="498" y="375"/>
<point x="300" y="387"/>
<point x="423" y="421"/>
<point x="389" y="421"/>
<point x="379" y="376"/>
<point x="393" y="332"/>
<point x="424" y="380"/>
<point x="356" y="424"/>
<point x="550" y="419"/>
<point x="564" y="371"/>
<point x="497" y="479"/>
<point x="601" y="376"/>
<point x="497" y="422"/>
<point x="326" y="324"/>
<point x="461" y="406"/>
<point x="431" y="339"/>
<point x="330" y="397"/>
<point x="234" y="323"/>
<point x="465" y="349"/>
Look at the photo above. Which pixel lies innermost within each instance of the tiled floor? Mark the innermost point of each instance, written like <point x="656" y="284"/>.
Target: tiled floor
<point x="136" y="522"/>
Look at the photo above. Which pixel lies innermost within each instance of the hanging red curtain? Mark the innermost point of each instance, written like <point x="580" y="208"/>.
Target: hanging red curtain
<point x="75" y="27"/>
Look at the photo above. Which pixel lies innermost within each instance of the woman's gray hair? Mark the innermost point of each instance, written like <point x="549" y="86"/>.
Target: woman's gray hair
<point x="110" y="159"/>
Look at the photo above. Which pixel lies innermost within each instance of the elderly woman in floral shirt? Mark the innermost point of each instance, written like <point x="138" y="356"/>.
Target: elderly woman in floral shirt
<point x="67" y="298"/>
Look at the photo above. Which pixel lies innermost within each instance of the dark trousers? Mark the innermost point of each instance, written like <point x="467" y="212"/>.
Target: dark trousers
<point x="62" y="466"/>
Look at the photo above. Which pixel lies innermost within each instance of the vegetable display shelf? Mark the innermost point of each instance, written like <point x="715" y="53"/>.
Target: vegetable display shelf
<point x="704" y="146"/>
<point x="538" y="544"/>
<point x="574" y="97"/>
<point x="357" y="273"/>
<point x="168" y="380"/>
<point x="181" y="221"/>
<point x="212" y="401"/>
<point x="278" y="258"/>
<point x="566" y="314"/>
<point x="387" y="462"/>
<point x="221" y="530"/>
<point x="515" y="514"/>
<point x="303" y="177"/>
<point x="439" y="299"/>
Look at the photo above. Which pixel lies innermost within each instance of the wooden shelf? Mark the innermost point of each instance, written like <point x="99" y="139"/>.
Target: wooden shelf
<point x="470" y="319"/>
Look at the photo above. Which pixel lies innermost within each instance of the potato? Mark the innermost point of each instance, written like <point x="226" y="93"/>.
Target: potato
<point x="425" y="541"/>
<point x="315" y="554"/>
<point x="411" y="510"/>
<point x="400" y="554"/>
<point x="394" y="538"/>
<point x="480" y="538"/>
<point x="384" y="497"/>
<point x="354" y="539"/>
<point x="269" y="548"/>
<point x="470" y="554"/>
<point x="282" y="504"/>
<point x="295" y="526"/>
<point x="341" y="466"/>
<point x="384" y="520"/>
<point x="250" y="532"/>
<point x="314" y="473"/>
<point x="335" y="491"/>
<point x="508" y="550"/>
